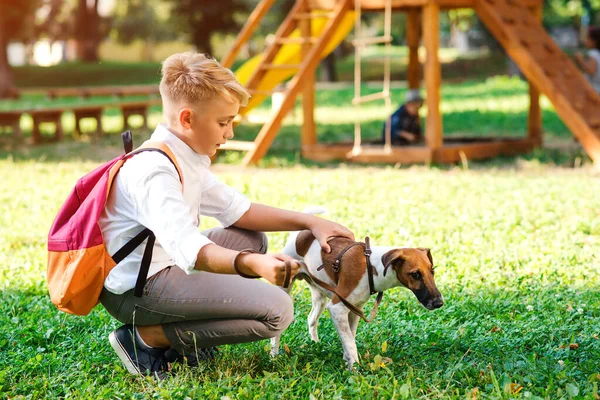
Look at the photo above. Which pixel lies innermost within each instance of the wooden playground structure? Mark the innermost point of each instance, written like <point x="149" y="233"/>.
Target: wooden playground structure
<point x="313" y="28"/>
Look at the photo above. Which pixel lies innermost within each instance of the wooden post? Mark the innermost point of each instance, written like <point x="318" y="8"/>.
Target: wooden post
<point x="534" y="125"/>
<point x="251" y="24"/>
<point x="309" y="64"/>
<point x="309" y="130"/>
<point x="433" y="76"/>
<point x="413" y="36"/>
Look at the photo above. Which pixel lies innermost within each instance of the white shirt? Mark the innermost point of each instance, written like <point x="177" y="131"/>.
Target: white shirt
<point x="147" y="193"/>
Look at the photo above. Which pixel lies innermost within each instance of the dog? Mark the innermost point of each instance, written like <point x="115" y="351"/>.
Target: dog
<point x="408" y="267"/>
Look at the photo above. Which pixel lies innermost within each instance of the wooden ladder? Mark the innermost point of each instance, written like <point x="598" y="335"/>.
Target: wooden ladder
<point x="312" y="47"/>
<point x="544" y="64"/>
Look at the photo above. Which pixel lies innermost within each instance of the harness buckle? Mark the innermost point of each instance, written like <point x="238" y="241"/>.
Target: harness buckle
<point x="336" y="266"/>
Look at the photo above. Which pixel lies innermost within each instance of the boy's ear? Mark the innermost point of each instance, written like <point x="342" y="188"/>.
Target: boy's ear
<point x="185" y="118"/>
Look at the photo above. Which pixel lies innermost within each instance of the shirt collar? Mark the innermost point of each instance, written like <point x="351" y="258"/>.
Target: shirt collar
<point x="163" y="134"/>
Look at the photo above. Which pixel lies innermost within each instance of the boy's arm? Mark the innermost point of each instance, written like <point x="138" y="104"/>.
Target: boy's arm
<point x="268" y="219"/>
<point x="219" y="260"/>
<point x="159" y="205"/>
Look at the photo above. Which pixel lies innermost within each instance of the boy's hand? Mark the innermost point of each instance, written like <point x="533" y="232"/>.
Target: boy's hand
<point x="411" y="137"/>
<point x="323" y="229"/>
<point x="269" y="266"/>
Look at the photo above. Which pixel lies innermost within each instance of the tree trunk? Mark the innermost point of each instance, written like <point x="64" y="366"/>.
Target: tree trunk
<point x="7" y="85"/>
<point x="328" y="71"/>
<point x="202" y="42"/>
<point x="88" y="31"/>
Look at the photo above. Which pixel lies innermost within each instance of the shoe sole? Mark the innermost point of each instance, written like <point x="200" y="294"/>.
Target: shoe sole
<point x="123" y="356"/>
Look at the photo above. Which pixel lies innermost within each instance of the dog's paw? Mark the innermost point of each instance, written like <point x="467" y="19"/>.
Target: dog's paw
<point x="274" y="352"/>
<point x="351" y="361"/>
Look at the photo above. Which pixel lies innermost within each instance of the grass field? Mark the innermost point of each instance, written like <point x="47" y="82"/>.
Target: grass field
<point x="515" y="241"/>
<point x="454" y="66"/>
<point x="516" y="250"/>
<point x="493" y="107"/>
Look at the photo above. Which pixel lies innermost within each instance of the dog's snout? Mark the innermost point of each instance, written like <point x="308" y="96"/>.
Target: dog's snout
<point x="437" y="302"/>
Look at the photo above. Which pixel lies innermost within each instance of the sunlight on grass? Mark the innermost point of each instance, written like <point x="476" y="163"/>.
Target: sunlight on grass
<point x="516" y="255"/>
<point x="515" y="242"/>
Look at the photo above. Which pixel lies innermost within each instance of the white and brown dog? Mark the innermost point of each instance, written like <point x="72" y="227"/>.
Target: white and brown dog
<point x="408" y="267"/>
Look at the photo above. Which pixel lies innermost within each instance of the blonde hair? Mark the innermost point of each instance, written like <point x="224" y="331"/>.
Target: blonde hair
<point x="193" y="77"/>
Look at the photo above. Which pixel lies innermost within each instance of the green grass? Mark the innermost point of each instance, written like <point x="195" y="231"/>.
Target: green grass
<point x="495" y="106"/>
<point x="87" y="74"/>
<point x="516" y="250"/>
<point x="454" y="66"/>
<point x="515" y="241"/>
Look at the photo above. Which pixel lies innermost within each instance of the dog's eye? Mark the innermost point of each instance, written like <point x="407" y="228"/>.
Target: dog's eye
<point x="416" y="275"/>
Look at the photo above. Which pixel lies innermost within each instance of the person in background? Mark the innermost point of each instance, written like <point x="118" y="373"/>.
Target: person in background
<point x="590" y="63"/>
<point x="405" y="122"/>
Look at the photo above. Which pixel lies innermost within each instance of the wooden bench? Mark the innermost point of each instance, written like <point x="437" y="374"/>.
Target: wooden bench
<point x="54" y="114"/>
<point x="47" y="115"/>
<point x="137" y="108"/>
<point x="11" y="119"/>
<point x="89" y="91"/>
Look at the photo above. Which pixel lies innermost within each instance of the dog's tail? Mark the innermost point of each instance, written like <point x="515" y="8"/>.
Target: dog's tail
<point x="290" y="245"/>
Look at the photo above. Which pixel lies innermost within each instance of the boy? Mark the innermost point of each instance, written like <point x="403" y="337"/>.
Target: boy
<point x="194" y="298"/>
<point x="406" y="125"/>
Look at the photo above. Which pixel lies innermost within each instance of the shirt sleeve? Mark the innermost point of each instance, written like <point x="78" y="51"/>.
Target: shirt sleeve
<point x="223" y="202"/>
<point x="160" y="206"/>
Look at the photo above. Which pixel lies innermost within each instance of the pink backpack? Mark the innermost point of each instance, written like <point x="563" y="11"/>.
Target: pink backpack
<point x="78" y="262"/>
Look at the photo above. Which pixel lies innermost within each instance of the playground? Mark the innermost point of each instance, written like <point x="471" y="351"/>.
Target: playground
<point x="502" y="189"/>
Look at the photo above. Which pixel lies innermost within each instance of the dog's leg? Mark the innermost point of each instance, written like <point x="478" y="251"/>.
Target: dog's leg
<point x="318" y="305"/>
<point x="353" y="321"/>
<point x="275" y="346"/>
<point x="339" y="315"/>
<point x="275" y="340"/>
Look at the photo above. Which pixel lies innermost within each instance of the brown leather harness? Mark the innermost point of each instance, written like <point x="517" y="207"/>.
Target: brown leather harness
<point x="337" y="266"/>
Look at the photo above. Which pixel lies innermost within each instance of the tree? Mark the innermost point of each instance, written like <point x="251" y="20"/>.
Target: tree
<point x="15" y="18"/>
<point x="204" y="18"/>
<point x="569" y="12"/>
<point x="140" y="20"/>
<point x="90" y="29"/>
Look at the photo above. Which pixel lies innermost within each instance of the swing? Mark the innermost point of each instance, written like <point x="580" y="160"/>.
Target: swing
<point x="359" y="43"/>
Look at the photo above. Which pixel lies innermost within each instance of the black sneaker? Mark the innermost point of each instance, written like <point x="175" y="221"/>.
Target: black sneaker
<point x="208" y="354"/>
<point x="137" y="358"/>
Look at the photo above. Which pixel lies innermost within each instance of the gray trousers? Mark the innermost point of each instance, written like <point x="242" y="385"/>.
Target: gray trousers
<point x="206" y="309"/>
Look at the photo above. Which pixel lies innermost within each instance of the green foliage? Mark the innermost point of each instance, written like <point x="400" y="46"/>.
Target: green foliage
<point x="140" y="20"/>
<point x="201" y="19"/>
<point x="87" y="74"/>
<point x="568" y="12"/>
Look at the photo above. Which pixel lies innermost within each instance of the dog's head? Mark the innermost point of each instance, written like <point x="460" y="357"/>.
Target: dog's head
<point x="414" y="269"/>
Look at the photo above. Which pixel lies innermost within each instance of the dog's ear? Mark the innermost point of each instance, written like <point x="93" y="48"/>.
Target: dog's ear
<point x="428" y="251"/>
<point x="392" y="257"/>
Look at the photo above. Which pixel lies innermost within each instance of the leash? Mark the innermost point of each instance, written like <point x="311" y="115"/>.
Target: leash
<point x="336" y="266"/>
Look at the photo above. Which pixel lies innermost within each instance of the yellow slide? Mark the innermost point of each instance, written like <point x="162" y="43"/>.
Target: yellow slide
<point x="290" y="54"/>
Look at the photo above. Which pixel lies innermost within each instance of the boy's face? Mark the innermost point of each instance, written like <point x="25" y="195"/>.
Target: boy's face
<point x="413" y="107"/>
<point x="589" y="43"/>
<point x="210" y="124"/>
